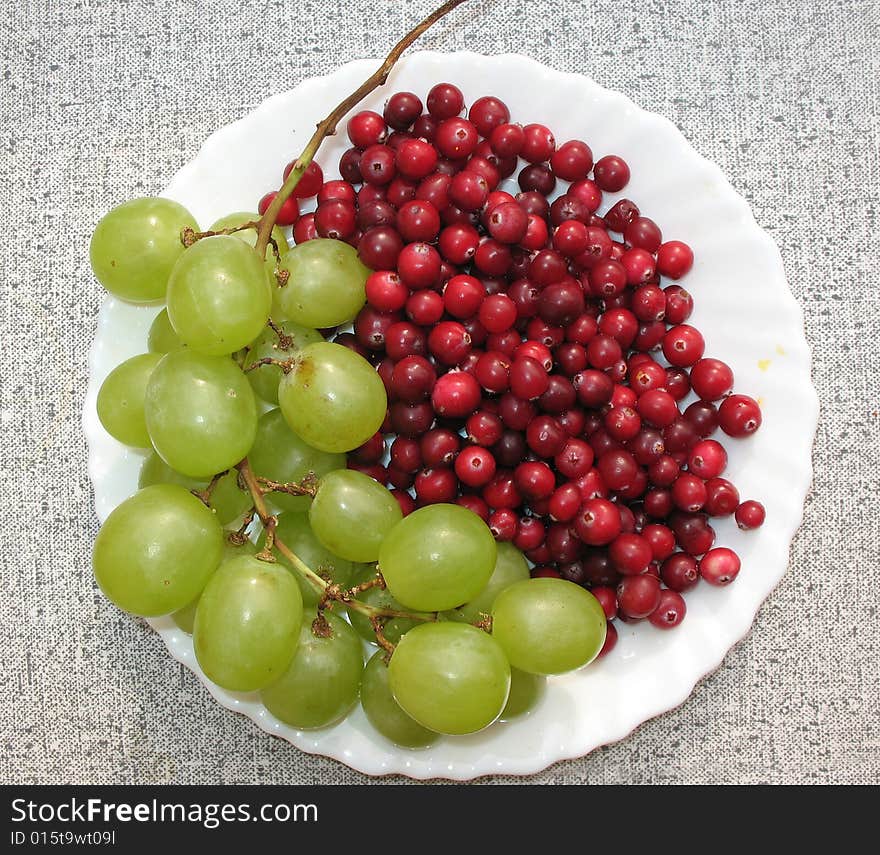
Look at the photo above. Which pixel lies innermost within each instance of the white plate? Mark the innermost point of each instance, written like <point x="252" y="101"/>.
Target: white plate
<point x="743" y="306"/>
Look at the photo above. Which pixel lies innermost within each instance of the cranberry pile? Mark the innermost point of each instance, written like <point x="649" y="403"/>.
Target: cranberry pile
<point x="538" y="362"/>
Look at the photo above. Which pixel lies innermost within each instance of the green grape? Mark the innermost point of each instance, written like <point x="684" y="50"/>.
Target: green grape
<point x="120" y="402"/>
<point x="218" y="296"/>
<point x="352" y="513"/>
<point x="320" y="686"/>
<point x="326" y="285"/>
<point x="185" y="617"/>
<point x="154" y="470"/>
<point x="201" y="412"/>
<point x="548" y="626"/>
<point x="247" y="624"/>
<point x="510" y="567"/>
<point x="332" y="397"/>
<point x="162" y="338"/>
<point x="227" y="498"/>
<point x="267" y="378"/>
<point x="280" y="455"/>
<point x="294" y="531"/>
<point x="379" y="598"/>
<point x="157" y="550"/>
<point x="526" y="690"/>
<point x="438" y="557"/>
<point x="384" y="713"/>
<point x="249" y="236"/>
<point x="450" y="677"/>
<point x="135" y="245"/>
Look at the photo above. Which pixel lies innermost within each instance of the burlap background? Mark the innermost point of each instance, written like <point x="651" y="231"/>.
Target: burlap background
<point x="102" y="100"/>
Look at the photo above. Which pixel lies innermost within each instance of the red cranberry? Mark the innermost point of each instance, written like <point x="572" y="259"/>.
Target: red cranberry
<point x="644" y="233"/>
<point x="572" y="161"/>
<point x="610" y="641"/>
<point x="739" y="415"/>
<point x="670" y="611"/>
<point x="638" y="596"/>
<point x="679" y="304"/>
<point x="405" y="339"/>
<point x="309" y="183"/>
<point x="674" y="259"/>
<point x="683" y="345"/>
<point x="689" y="492"/>
<point x="412" y="379"/>
<point x="435" y="485"/>
<point x="545" y="436"/>
<point x="631" y="553"/>
<point x="497" y="313"/>
<point x="492" y="372"/>
<point x="565" y="502"/>
<point x="380" y="247"/>
<point x="611" y="173"/>
<point x="439" y="447"/>
<point x="507" y="140"/>
<point x="445" y="100"/>
<point x="679" y="572"/>
<point x="484" y="428"/>
<point x="366" y="128"/>
<point x="538" y="143"/>
<point x="377" y="164"/>
<point x="487" y="113"/>
<point x="455" y="395"/>
<point x="458" y="243"/>
<point x="385" y="291"/>
<point x="597" y="522"/>
<point x="537" y="177"/>
<point x="750" y="514"/>
<point x="304" y="229"/>
<point x="456" y="138"/>
<point x="534" y="480"/>
<point x="722" y="497"/>
<point x="711" y="379"/>
<point x="657" y="407"/>
<point x="528" y="379"/>
<point x="424" y="307"/>
<point x="449" y="342"/>
<point x="588" y="192"/>
<point x="621" y="214"/>
<point x="401" y="110"/>
<point x="411" y="419"/>
<point x="335" y="219"/>
<point x="475" y="466"/>
<point x="475" y="504"/>
<point x="370" y="327"/>
<point x="418" y="220"/>
<point x="707" y="459"/>
<point x="720" y="566"/>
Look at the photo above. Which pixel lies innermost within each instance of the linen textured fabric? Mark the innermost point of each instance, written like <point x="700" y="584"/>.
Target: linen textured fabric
<point x="103" y="100"/>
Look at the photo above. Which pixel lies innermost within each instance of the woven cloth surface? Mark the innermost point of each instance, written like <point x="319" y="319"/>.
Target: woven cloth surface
<point x="101" y="101"/>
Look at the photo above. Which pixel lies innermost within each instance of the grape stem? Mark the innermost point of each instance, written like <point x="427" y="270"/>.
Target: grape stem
<point x="237" y="538"/>
<point x="328" y="591"/>
<point x="378" y="623"/>
<point x="306" y="487"/>
<point x="284" y="364"/>
<point x="327" y="127"/>
<point x="285" y="342"/>
<point x="205" y="495"/>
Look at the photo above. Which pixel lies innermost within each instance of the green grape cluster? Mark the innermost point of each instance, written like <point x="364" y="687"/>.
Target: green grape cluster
<point x="251" y="533"/>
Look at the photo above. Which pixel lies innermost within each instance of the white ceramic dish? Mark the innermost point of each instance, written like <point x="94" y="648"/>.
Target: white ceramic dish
<point x="743" y="307"/>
